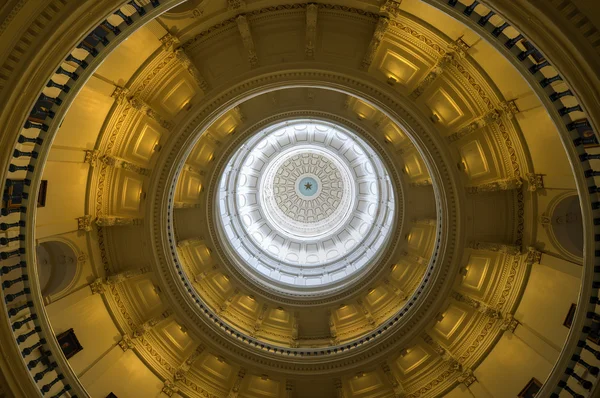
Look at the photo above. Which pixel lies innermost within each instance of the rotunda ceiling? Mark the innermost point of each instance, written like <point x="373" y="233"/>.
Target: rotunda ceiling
<point x="305" y="203"/>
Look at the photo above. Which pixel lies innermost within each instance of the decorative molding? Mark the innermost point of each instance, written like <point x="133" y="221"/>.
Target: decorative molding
<point x="380" y="29"/>
<point x="311" y="31"/>
<point x="122" y="95"/>
<point x="172" y="44"/>
<point x="506" y="184"/>
<point x="244" y="29"/>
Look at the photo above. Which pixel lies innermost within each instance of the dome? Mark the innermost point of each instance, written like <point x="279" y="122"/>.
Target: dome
<point x="305" y="204"/>
<point x="265" y="199"/>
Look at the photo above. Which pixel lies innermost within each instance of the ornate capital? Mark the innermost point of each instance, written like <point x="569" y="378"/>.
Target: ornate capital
<point x="91" y="157"/>
<point x="169" y="388"/>
<point x="84" y="223"/>
<point x="391" y="8"/>
<point x="506" y="184"/>
<point x="126" y="343"/>
<point x="533" y="256"/>
<point x="536" y="181"/>
<point x="98" y="286"/>
<point x="244" y="28"/>
<point x="509" y="323"/>
<point x="467" y="378"/>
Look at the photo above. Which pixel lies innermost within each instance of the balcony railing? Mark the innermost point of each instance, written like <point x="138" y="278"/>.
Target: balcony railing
<point x="21" y="296"/>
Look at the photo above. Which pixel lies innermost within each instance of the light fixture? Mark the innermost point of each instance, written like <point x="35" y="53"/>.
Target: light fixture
<point x="387" y="139"/>
<point x="392" y="80"/>
<point x="463" y="271"/>
<point x="371" y="291"/>
<point x="404" y="352"/>
<point x="231" y="130"/>
<point x="440" y="317"/>
<point x="251" y="298"/>
<point x="435" y="118"/>
<point x="360" y="116"/>
<point x="264" y="377"/>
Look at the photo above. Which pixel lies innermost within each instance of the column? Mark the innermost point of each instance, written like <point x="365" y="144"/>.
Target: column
<point x="111" y="221"/>
<point x="122" y="95"/>
<point x="260" y="319"/>
<point x="100" y="285"/>
<point x="368" y="315"/>
<point x="481" y="307"/>
<point x="235" y="389"/>
<point x="149" y="324"/>
<point x="391" y="8"/>
<point x="382" y="26"/>
<point x="396" y="386"/>
<point x="508" y="109"/>
<point x="332" y="328"/>
<point x="289" y="388"/>
<point x="94" y="157"/>
<point x="506" y="184"/>
<point x="339" y="390"/>
<point x="244" y="28"/>
<point x="225" y="305"/>
<point x="447" y="356"/>
<point x="311" y="30"/>
<point x="182" y="370"/>
<point x="173" y="44"/>
<point x="456" y="52"/>
<point x="295" y="324"/>
<point x="495" y="247"/>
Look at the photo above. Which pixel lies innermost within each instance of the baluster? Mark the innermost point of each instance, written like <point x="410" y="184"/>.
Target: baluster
<point x="17" y="252"/>
<point x="48" y="386"/>
<point x="38" y="112"/>
<point x="19" y="324"/>
<point x="592" y="173"/>
<point x="596" y="206"/>
<point x="33" y="363"/>
<point x="39" y="126"/>
<point x="112" y="27"/>
<point x="546" y="82"/>
<point x="452" y="3"/>
<point x="27" y="351"/>
<point x="568" y="389"/>
<point x="14" y="311"/>
<point x="523" y="56"/>
<point x="556" y="96"/>
<point x="62" y="87"/>
<point x="40" y="375"/>
<point x="63" y="71"/>
<point x="6" y="212"/>
<point x="469" y="10"/>
<point x="4" y="226"/>
<point x="536" y="68"/>
<point x="587" y="329"/>
<point x="22" y="195"/>
<point x="140" y="10"/>
<point x="585" y="141"/>
<point x="498" y="31"/>
<point x="125" y="18"/>
<point x="589" y="156"/>
<point x="579" y="124"/>
<point x="23" y="140"/>
<point x="512" y="42"/>
<point x="585" y="346"/>
<point x="7" y="284"/>
<point x="23" y="337"/>
<point x="84" y="46"/>
<point x="565" y="111"/>
<point x="79" y="62"/>
<point x="44" y="97"/>
<point x="6" y="241"/>
<point x="593" y="315"/>
<point x="583" y="382"/>
<point x="13" y="168"/>
<point x="31" y="154"/>
<point x="155" y="3"/>
<point x="592" y="369"/>
<point x="10" y="183"/>
<point x="483" y="20"/>
<point x="101" y="39"/>
<point x="9" y="298"/>
<point x="5" y="270"/>
<point x="62" y="392"/>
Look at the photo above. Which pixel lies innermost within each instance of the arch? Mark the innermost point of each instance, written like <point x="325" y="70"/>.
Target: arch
<point x="58" y="266"/>
<point x="564" y="226"/>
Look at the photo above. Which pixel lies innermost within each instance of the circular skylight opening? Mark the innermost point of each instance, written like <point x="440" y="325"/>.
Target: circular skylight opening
<point x="305" y="205"/>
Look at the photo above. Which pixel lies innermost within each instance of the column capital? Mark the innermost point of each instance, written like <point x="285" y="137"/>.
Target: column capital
<point x="380" y="30"/>
<point x="84" y="223"/>
<point x="495" y="247"/>
<point x="245" y="32"/>
<point x="505" y="184"/>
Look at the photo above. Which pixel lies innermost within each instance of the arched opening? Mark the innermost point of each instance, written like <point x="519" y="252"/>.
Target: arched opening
<point x="56" y="265"/>
<point x="567" y="228"/>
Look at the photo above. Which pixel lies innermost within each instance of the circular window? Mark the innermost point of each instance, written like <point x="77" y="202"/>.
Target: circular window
<point x="305" y="205"/>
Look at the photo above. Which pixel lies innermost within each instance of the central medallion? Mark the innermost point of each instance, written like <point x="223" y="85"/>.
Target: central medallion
<point x="307" y="187"/>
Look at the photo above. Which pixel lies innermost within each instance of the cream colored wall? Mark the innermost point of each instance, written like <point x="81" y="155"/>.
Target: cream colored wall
<point x="546" y="302"/>
<point x="93" y="326"/>
<point x="65" y="198"/>
<point x="123" y="374"/>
